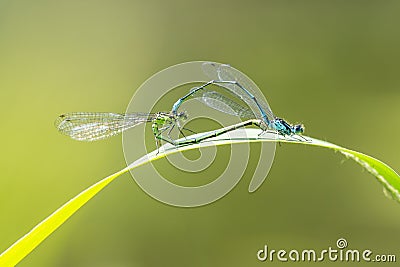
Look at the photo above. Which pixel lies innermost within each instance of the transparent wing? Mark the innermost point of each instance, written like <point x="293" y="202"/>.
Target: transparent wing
<point x="92" y="126"/>
<point x="224" y="104"/>
<point x="223" y="72"/>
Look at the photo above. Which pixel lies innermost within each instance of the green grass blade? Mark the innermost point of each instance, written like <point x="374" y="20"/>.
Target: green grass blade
<point x="21" y="248"/>
<point x="31" y="240"/>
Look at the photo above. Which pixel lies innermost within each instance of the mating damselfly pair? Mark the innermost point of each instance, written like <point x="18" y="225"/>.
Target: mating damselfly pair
<point x="245" y="102"/>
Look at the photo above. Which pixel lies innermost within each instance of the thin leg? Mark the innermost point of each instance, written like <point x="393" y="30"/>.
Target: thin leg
<point x="304" y="139"/>
<point x="160" y="137"/>
<point x="180" y="131"/>
<point x="187" y="129"/>
<point x="297" y="137"/>
<point x="163" y="129"/>
<point x="169" y="132"/>
<point x="268" y="131"/>
<point x="262" y="131"/>
<point x="157" y="145"/>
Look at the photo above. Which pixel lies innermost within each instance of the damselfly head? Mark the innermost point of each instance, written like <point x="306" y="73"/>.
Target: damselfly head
<point x="298" y="128"/>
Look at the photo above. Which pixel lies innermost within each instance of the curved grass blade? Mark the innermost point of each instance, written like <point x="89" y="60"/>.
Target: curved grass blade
<point x="31" y="240"/>
<point x="21" y="248"/>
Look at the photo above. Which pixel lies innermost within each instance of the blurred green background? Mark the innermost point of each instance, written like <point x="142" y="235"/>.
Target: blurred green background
<point x="333" y="65"/>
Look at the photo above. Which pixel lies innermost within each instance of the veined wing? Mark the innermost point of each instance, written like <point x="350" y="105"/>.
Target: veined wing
<point x="224" y="72"/>
<point x="224" y="104"/>
<point x="92" y="126"/>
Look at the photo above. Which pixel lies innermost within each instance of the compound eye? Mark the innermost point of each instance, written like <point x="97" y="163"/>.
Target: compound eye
<point x="299" y="128"/>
